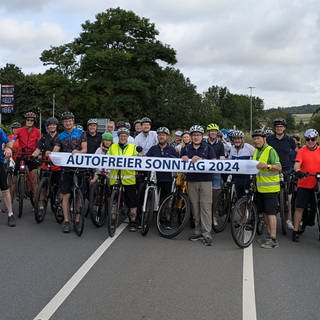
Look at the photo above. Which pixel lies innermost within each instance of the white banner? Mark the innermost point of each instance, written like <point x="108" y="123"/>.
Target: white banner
<point x="99" y="161"/>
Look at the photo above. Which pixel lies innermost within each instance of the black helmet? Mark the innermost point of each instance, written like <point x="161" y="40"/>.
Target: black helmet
<point x="67" y="115"/>
<point x="121" y="124"/>
<point x="15" y="125"/>
<point x="279" y="122"/>
<point x="52" y="120"/>
<point x="258" y="133"/>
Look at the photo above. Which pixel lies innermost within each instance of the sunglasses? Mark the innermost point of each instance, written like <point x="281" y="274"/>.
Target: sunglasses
<point x="311" y="139"/>
<point x="30" y="120"/>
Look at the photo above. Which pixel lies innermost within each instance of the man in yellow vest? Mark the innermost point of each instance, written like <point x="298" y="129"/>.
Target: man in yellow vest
<point x="128" y="177"/>
<point x="268" y="185"/>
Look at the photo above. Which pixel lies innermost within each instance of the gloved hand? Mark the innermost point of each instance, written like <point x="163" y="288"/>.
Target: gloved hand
<point x="300" y="174"/>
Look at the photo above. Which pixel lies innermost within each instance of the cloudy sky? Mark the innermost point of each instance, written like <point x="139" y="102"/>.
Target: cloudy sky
<point x="271" y="45"/>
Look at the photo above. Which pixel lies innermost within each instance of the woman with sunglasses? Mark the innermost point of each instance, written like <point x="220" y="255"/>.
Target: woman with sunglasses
<point x="307" y="160"/>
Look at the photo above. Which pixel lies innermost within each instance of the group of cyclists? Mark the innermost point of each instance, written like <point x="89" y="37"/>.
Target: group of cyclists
<point x="275" y="151"/>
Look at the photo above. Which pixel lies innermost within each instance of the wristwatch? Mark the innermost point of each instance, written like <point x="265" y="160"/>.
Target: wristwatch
<point x="269" y="166"/>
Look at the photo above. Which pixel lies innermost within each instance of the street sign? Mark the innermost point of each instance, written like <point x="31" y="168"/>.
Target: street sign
<point x="7" y="100"/>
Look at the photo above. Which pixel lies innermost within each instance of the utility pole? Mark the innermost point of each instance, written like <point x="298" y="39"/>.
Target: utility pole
<point x="251" y="109"/>
<point x="53" y="103"/>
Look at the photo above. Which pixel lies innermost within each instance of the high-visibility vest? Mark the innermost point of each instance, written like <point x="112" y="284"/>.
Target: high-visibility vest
<point x="267" y="180"/>
<point x="128" y="177"/>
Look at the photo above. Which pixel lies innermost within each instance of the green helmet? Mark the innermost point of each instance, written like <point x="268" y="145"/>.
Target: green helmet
<point x="107" y="136"/>
<point x="212" y="126"/>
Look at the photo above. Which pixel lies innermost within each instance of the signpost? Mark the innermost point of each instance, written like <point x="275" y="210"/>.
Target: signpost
<point x="6" y="99"/>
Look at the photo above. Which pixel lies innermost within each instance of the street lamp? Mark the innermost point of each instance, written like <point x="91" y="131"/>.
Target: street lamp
<point x="251" y="109"/>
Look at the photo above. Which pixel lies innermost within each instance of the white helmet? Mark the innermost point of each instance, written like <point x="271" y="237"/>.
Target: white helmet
<point x="196" y="128"/>
<point x="311" y="133"/>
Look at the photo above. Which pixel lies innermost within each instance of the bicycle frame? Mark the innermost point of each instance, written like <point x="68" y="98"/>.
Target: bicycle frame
<point x="151" y="185"/>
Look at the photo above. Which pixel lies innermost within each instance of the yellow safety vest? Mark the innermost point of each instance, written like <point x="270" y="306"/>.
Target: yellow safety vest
<point x="128" y="177"/>
<point x="267" y="180"/>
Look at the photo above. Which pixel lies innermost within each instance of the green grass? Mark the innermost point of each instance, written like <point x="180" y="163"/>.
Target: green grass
<point x="304" y="117"/>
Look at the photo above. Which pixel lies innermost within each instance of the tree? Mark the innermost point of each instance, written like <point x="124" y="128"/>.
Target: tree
<point x="115" y="60"/>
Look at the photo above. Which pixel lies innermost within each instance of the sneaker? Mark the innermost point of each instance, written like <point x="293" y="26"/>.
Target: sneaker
<point x="11" y="221"/>
<point x="269" y="243"/>
<point x="133" y="227"/>
<point x="196" y="237"/>
<point x="66" y="227"/>
<point x="295" y="236"/>
<point x="289" y="225"/>
<point x="207" y="242"/>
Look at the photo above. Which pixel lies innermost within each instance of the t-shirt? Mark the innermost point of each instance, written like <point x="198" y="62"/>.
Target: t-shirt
<point x="166" y="152"/>
<point x="146" y="141"/>
<point x="205" y="151"/>
<point x="218" y="148"/>
<point x="283" y="147"/>
<point x="27" y="139"/>
<point x="68" y="141"/>
<point x="93" y="142"/>
<point x="3" y="139"/>
<point x="310" y="162"/>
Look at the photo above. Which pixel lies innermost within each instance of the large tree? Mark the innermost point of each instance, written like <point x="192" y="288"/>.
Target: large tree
<point x="116" y="59"/>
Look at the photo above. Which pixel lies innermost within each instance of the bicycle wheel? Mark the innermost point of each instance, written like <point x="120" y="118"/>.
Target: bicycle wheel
<point x="222" y="211"/>
<point x="56" y="206"/>
<point x="173" y="215"/>
<point x="41" y="200"/>
<point x="77" y="207"/>
<point x="282" y="206"/>
<point x="97" y="204"/>
<point x="243" y="222"/>
<point x="21" y="187"/>
<point x="147" y="214"/>
<point x="114" y="211"/>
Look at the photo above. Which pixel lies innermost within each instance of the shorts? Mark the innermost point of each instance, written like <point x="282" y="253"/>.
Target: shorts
<point x="216" y="181"/>
<point x="3" y="178"/>
<point x="267" y="203"/>
<point x="304" y="197"/>
<point x="130" y="194"/>
<point x="31" y="164"/>
<point x="66" y="182"/>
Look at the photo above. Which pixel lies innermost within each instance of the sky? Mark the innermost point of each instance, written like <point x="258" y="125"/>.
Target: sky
<point x="270" y="45"/>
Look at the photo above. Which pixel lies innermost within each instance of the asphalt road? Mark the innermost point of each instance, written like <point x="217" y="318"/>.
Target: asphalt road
<point x="142" y="278"/>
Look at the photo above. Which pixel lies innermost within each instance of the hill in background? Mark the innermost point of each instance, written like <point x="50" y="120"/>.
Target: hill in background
<point x="308" y="108"/>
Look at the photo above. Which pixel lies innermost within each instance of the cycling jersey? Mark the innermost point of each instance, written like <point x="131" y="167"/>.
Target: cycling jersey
<point x="68" y="141"/>
<point x="27" y="139"/>
<point x="47" y="143"/>
<point x="3" y="139"/>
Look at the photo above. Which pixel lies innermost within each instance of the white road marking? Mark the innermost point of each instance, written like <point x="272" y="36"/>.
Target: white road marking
<point x="47" y="312"/>
<point x="248" y="294"/>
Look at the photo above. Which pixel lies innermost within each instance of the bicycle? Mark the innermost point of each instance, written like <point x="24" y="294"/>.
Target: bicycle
<point x="77" y="210"/>
<point x="174" y="210"/>
<point x="116" y="205"/>
<point x="98" y="200"/>
<point x="244" y="218"/>
<point x="225" y="202"/>
<point x="23" y="183"/>
<point x="283" y="202"/>
<point x="47" y="190"/>
<point x="150" y="202"/>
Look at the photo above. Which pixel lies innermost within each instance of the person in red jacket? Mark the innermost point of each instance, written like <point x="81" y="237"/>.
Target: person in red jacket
<point x="28" y="136"/>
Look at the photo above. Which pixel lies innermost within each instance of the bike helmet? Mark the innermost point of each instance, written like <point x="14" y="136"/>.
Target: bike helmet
<point x="196" y="128"/>
<point x="185" y="132"/>
<point x="258" y="133"/>
<point x="92" y="121"/>
<point x="15" y="125"/>
<point x="127" y="125"/>
<point x="178" y="133"/>
<point x="296" y="136"/>
<point x="268" y="131"/>
<point x="146" y="119"/>
<point x="163" y="130"/>
<point x="123" y="130"/>
<point x="107" y="136"/>
<point x="212" y="126"/>
<point x="52" y="120"/>
<point x="67" y="115"/>
<point x="220" y="134"/>
<point x="79" y="126"/>
<point x="30" y="115"/>
<point x="311" y="133"/>
<point x="137" y="121"/>
<point x="279" y="122"/>
<point x="236" y="134"/>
